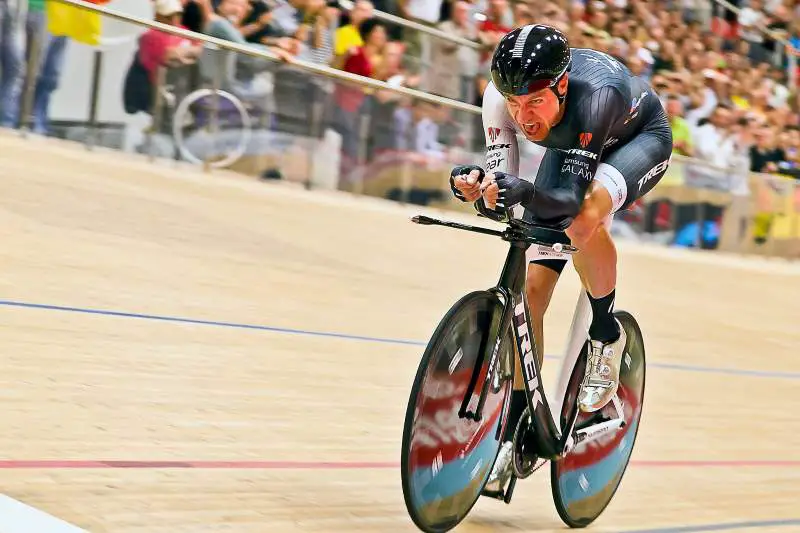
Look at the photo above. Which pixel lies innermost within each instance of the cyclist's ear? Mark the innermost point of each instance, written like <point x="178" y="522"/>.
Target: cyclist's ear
<point x="561" y="87"/>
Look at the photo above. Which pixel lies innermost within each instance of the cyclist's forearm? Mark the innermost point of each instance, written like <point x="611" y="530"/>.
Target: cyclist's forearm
<point x="556" y="203"/>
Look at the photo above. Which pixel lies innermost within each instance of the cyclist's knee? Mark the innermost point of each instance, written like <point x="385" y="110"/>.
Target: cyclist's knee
<point x="595" y="209"/>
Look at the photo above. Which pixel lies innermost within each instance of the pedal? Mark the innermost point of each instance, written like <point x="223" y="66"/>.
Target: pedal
<point x="503" y="495"/>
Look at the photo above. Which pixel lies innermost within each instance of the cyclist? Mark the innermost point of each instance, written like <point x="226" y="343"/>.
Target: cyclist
<point x="608" y="142"/>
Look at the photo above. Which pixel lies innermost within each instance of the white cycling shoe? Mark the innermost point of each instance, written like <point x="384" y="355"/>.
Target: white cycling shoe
<point x="601" y="380"/>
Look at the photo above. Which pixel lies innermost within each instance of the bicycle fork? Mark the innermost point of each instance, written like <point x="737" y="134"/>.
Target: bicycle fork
<point x="491" y="349"/>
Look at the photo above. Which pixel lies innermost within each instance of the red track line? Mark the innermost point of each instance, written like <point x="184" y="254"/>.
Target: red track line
<point x="701" y="463"/>
<point x="331" y="465"/>
<point x="250" y="465"/>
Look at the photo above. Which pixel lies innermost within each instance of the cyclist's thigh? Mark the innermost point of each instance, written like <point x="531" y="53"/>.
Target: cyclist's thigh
<point x="636" y="167"/>
<point x="547" y="175"/>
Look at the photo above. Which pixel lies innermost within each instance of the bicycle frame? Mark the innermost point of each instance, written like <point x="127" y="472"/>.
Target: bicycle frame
<point x="551" y="443"/>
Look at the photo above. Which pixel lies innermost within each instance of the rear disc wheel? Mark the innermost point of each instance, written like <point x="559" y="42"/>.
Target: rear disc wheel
<point x="586" y="479"/>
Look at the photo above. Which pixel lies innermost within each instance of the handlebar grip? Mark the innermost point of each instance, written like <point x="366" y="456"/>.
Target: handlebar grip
<point x="422" y="219"/>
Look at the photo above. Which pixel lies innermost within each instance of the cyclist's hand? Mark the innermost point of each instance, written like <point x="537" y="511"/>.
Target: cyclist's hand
<point x="490" y="191"/>
<point x="512" y="190"/>
<point x="465" y="182"/>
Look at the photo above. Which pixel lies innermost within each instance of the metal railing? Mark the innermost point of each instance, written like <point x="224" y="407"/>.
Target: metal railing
<point x="252" y="51"/>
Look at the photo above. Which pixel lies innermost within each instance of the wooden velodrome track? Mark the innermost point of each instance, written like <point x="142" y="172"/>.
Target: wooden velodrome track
<point x="285" y="428"/>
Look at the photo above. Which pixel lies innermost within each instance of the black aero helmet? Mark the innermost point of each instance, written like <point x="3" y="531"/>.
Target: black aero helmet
<point x="529" y="59"/>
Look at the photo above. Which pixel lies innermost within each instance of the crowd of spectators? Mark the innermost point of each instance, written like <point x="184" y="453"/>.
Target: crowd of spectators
<point x="722" y="78"/>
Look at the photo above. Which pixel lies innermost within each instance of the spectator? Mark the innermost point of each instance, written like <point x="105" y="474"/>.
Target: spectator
<point x="751" y="19"/>
<point x="793" y="47"/>
<point x="490" y="31"/>
<point x="681" y="132"/>
<point x="779" y="92"/>
<point x="197" y="14"/>
<point x="45" y="75"/>
<point x="416" y="129"/>
<point x="523" y="15"/>
<point x="157" y="48"/>
<point x="226" y="22"/>
<point x="636" y="65"/>
<point x="231" y="20"/>
<point x="287" y="16"/>
<point x="765" y="154"/>
<point x="11" y="66"/>
<point x="665" y="57"/>
<point x="494" y="26"/>
<point x="256" y="26"/>
<point x="321" y="19"/>
<point x="348" y="37"/>
<point x="352" y="101"/>
<point x="423" y="11"/>
<point x="711" y="140"/>
<point x="385" y="102"/>
<point x="456" y="64"/>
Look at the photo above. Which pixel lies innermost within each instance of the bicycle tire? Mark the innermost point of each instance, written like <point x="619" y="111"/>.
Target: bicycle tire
<point x="451" y="492"/>
<point x="575" y="475"/>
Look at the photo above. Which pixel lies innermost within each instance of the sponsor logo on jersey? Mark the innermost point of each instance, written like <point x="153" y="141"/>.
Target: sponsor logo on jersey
<point x="584" y="153"/>
<point x="635" y="103"/>
<point x="498" y="146"/>
<point x="585" y="139"/>
<point x="494" y="157"/>
<point x="653" y="172"/>
<point x="611" y="142"/>
<point x="493" y="134"/>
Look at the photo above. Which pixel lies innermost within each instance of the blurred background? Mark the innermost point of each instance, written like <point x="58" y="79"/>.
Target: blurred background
<point x="383" y="97"/>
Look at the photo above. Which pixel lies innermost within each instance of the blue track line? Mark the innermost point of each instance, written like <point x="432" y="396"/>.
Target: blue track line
<point x="163" y="318"/>
<point x="385" y="340"/>
<point x="720" y="527"/>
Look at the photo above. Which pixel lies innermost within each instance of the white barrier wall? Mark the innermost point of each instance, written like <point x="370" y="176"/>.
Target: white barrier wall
<point x="71" y="101"/>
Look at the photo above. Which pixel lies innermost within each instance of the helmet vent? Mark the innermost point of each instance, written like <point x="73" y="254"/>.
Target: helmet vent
<point x="519" y="45"/>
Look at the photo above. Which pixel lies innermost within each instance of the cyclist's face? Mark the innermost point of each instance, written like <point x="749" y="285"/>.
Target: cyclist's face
<point x="536" y="113"/>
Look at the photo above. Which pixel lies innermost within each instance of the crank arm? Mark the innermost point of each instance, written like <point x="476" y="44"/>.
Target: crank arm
<point x="593" y="432"/>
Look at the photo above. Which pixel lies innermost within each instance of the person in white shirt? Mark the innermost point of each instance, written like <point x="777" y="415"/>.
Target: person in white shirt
<point x="711" y="140"/>
<point x="751" y="19"/>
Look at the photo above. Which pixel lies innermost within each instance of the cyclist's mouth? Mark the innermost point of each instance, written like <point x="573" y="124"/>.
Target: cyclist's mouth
<point x="530" y="129"/>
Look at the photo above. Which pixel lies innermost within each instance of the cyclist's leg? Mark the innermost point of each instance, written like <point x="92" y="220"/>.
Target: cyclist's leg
<point x="622" y="178"/>
<point x="544" y="266"/>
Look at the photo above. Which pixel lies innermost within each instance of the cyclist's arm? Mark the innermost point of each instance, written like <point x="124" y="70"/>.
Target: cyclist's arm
<point x="597" y="113"/>
<point x="502" y="151"/>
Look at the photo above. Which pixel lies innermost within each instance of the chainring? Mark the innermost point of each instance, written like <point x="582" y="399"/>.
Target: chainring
<point x="524" y="457"/>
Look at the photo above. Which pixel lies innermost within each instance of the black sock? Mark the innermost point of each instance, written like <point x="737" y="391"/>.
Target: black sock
<point x="518" y="405"/>
<point x="604" y="328"/>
